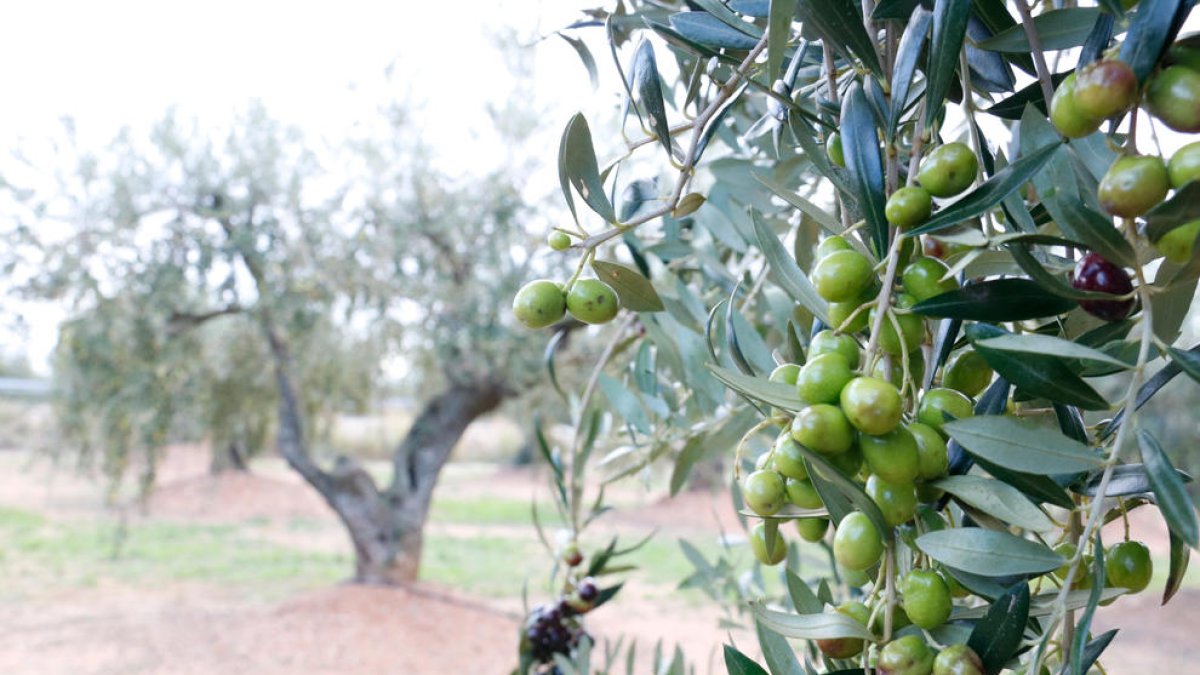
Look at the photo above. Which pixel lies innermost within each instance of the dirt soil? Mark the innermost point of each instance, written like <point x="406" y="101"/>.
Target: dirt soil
<point x="114" y="628"/>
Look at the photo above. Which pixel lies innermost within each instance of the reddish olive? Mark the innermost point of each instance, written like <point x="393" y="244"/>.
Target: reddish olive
<point x="908" y="207"/>
<point x="857" y="544"/>
<point x="892" y="456"/>
<point x="940" y="404"/>
<point x="872" y="405"/>
<point x="539" y="304"/>
<point x="1094" y="273"/>
<point x="1105" y="89"/>
<point x="1133" y="185"/>
<point x="764" y="492"/>
<point x="927" y="277"/>
<point x="908" y="655"/>
<point x="897" y="501"/>
<point x="958" y="660"/>
<point x="1066" y="115"/>
<point x="842" y="276"/>
<point x="948" y="170"/>
<point x="823" y="428"/>
<point x="592" y="301"/>
<point x="758" y="546"/>
<point x="926" y="598"/>
<point x="821" y="379"/>
<point x="1128" y="565"/>
<point x="1174" y="98"/>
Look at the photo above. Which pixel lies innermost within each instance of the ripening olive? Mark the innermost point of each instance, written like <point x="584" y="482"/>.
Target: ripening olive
<point x="1066" y="115"/>
<point x="958" y="660"/>
<point x="1133" y="185"/>
<point x="592" y="301"/>
<point x="539" y="304"/>
<point x="1105" y="89"/>
<point x="948" y="170"/>
<point x="1094" y="273"/>
<point x="872" y="405"/>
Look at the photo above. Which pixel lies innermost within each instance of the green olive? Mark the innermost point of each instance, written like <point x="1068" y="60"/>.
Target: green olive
<point x="842" y="276"/>
<point x="823" y="428"/>
<point x="846" y="648"/>
<point x="785" y="373"/>
<point x="940" y="403"/>
<point x="758" y="546"/>
<point x="1128" y="565"/>
<point x="592" y="301"/>
<point x="927" y="277"/>
<point x="967" y="372"/>
<point x="912" y="328"/>
<point x="788" y="459"/>
<point x="857" y="544"/>
<point x="803" y="494"/>
<point x="893" y="456"/>
<point x="1184" y="166"/>
<point x="1174" y="98"/>
<point x="812" y="529"/>
<point x="1134" y="185"/>
<point x="897" y="501"/>
<point x="908" y="655"/>
<point x="958" y="660"/>
<point x="764" y="492"/>
<point x="822" y="378"/>
<point x="908" y="207"/>
<point x="539" y="304"/>
<point x="1178" y="245"/>
<point x="840" y="313"/>
<point x="948" y="170"/>
<point x="558" y="240"/>
<point x="933" y="459"/>
<point x="926" y="598"/>
<point x="831" y="244"/>
<point x="891" y="368"/>
<point x="829" y="342"/>
<point x="833" y="149"/>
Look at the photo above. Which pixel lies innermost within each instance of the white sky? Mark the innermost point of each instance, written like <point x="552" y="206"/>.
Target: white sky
<point x="319" y="65"/>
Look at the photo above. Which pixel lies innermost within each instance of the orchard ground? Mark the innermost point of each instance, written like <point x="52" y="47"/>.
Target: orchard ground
<point x="242" y="574"/>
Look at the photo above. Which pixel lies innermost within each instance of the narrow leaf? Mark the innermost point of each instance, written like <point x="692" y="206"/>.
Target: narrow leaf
<point x="1020" y="445"/>
<point x="988" y="552"/>
<point x="1180" y="556"/>
<point x="784" y="270"/>
<point x="778" y="654"/>
<point x="648" y="86"/>
<point x="997" y="636"/>
<point x="907" y="54"/>
<point x="823" y="626"/>
<point x="759" y="388"/>
<point x="737" y="663"/>
<point x="996" y="499"/>
<point x="635" y="291"/>
<point x="860" y="143"/>
<point x="1154" y="26"/>
<point x="1050" y="346"/>
<point x="1173" y="500"/>
<point x="949" y="28"/>
<point x="996" y="300"/>
<point x="577" y="163"/>
<point x="1057" y="29"/>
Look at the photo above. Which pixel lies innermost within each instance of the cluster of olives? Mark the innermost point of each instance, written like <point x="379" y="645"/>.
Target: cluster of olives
<point x="556" y="628"/>
<point x="909" y="654"/>
<point x="1108" y="88"/>
<point x="543" y="302"/>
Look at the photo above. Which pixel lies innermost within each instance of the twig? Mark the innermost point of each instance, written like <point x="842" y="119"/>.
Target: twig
<point x="1035" y="45"/>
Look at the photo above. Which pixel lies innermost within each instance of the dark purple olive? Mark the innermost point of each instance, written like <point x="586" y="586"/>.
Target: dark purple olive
<point x="1094" y="273"/>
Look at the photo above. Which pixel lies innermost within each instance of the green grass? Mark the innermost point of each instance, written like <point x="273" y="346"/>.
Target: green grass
<point x="486" y="510"/>
<point x="81" y="554"/>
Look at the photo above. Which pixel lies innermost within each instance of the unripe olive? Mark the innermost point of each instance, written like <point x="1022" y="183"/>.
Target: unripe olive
<point x="872" y="405"/>
<point x="803" y="494"/>
<point x="926" y="598"/>
<point x="788" y="459"/>
<point x="840" y="313"/>
<point x="933" y="458"/>
<point x="958" y="660"/>
<point x="938" y="404"/>
<point x="842" y="276"/>
<point x="822" y="378"/>
<point x="539" y="304"/>
<point x="831" y="244"/>
<point x="908" y="207"/>
<point x="559" y="240"/>
<point x="1184" y="166"/>
<point x="1133" y="185"/>
<point x="1178" y="245"/>
<point x="893" y="456"/>
<point x="897" y="501"/>
<point x="948" y="170"/>
<point x="846" y="648"/>
<point x="833" y="149"/>
<point x="812" y="529"/>
<point x="1105" y="89"/>
<point x="967" y="372"/>
<point x="592" y="301"/>
<point x="927" y="277"/>
<point x="1066" y="115"/>
<point x="1128" y="565"/>
<point x="912" y="329"/>
<point x="758" y="546"/>
<point x="1174" y="98"/>
<point x="764" y="492"/>
<point x="829" y="342"/>
<point x="891" y="369"/>
<point x="908" y="655"/>
<point x="785" y="373"/>
<point x="823" y="428"/>
<point x="857" y="544"/>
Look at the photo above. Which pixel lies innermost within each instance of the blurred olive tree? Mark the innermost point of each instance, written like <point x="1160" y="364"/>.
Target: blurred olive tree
<point x="250" y="286"/>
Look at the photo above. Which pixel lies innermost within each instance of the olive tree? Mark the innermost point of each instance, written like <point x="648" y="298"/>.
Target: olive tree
<point x="252" y="286"/>
<point x="916" y="284"/>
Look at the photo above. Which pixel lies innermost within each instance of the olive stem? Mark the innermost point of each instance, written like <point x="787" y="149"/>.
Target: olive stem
<point x="918" y="146"/>
<point x="890" y="591"/>
<point x="1035" y="46"/>
<point x="883" y="302"/>
<point x="685" y="173"/>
